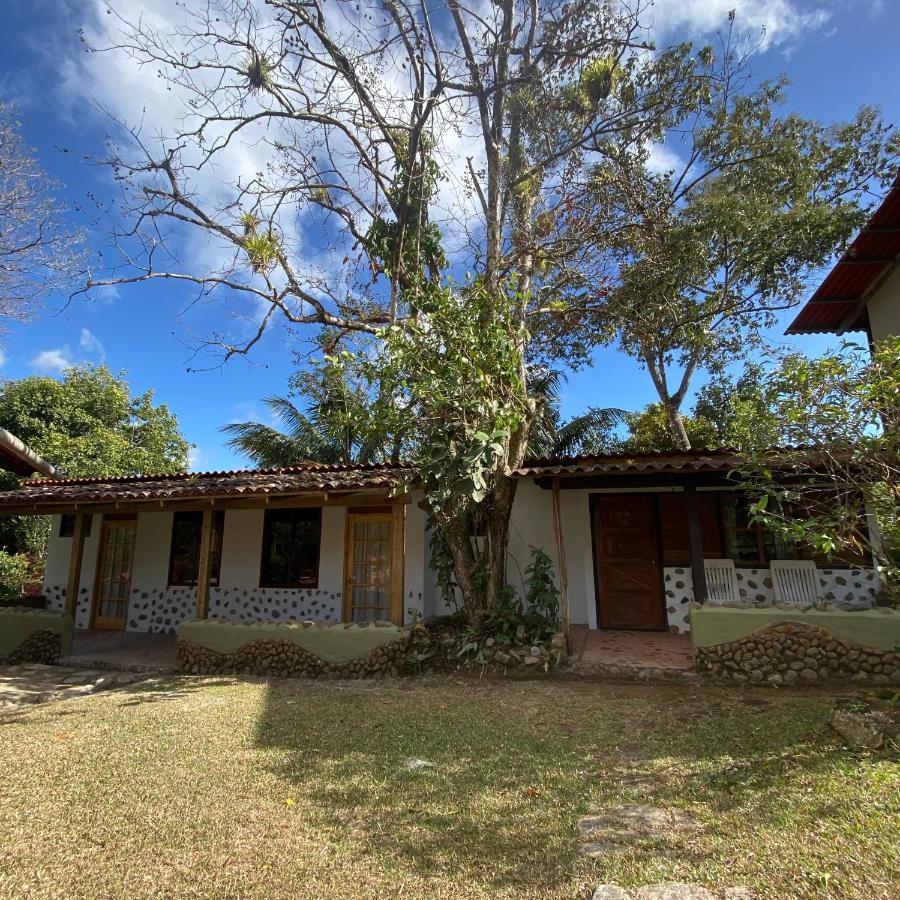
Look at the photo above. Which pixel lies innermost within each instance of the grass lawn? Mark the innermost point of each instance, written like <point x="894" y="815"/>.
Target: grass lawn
<point x="238" y="788"/>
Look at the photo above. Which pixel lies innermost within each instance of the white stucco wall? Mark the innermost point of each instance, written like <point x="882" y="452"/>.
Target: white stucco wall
<point x="884" y="308"/>
<point x="531" y="525"/>
<point x="414" y="560"/>
<point x="154" y="606"/>
<point x="56" y="571"/>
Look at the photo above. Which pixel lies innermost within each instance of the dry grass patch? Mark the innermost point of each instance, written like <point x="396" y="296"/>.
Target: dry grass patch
<point x="241" y="788"/>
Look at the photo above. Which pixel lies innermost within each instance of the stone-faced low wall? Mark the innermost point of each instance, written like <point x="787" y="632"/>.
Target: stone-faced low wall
<point x="34" y="635"/>
<point x="793" y="652"/>
<point x="308" y="650"/>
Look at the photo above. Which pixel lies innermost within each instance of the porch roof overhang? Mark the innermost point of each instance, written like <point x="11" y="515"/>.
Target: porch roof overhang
<point x="16" y="456"/>
<point x="698" y="467"/>
<point x="839" y="303"/>
<point x="651" y="468"/>
<point x="307" y="483"/>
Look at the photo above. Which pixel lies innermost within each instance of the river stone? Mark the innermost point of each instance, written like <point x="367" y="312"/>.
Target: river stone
<point x="861" y="730"/>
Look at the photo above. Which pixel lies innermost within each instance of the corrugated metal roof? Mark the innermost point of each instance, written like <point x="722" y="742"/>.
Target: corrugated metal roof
<point x="838" y="305"/>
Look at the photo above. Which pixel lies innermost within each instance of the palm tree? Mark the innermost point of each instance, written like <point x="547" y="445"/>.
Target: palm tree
<point x="591" y="433"/>
<point x="322" y="433"/>
<point x="304" y="438"/>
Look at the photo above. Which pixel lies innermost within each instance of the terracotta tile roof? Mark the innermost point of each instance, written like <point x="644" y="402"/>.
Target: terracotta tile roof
<point x="307" y="478"/>
<point x="695" y="460"/>
<point x="838" y="305"/>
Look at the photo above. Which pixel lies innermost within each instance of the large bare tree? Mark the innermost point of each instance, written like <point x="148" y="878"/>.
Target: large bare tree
<point x="41" y="251"/>
<point x="427" y="156"/>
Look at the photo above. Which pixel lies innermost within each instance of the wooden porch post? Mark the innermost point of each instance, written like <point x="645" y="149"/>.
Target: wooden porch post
<point x="398" y="557"/>
<point x="76" y="555"/>
<point x="695" y="534"/>
<point x="561" y="559"/>
<point x="203" y="564"/>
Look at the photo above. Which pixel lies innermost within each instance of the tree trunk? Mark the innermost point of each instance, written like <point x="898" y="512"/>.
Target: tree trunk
<point x="479" y="558"/>
<point x="676" y="423"/>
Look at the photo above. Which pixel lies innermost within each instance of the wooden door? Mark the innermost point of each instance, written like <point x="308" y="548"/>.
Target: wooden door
<point x="626" y="560"/>
<point x="368" y="586"/>
<point x="112" y="584"/>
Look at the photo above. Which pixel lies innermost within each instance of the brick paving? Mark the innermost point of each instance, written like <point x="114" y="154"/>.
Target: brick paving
<point x="642" y="653"/>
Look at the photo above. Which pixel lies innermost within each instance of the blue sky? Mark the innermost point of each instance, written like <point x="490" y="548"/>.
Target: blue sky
<point x="839" y="55"/>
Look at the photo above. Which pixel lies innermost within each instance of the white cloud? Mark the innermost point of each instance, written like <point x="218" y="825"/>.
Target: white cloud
<point x="662" y="160"/>
<point x="195" y="459"/>
<point x="90" y="343"/>
<point x="246" y="412"/>
<point x="782" y="21"/>
<point x="3" y="358"/>
<point x="54" y="360"/>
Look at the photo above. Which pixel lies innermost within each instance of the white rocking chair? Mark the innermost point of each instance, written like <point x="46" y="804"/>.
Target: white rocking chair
<point x="795" y="581"/>
<point x="721" y="581"/>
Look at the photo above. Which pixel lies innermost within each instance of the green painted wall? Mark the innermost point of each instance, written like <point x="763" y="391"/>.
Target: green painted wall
<point x="19" y="623"/>
<point x="878" y="627"/>
<point x="333" y="643"/>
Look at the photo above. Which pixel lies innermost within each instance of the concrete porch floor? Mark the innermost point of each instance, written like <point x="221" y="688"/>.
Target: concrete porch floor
<point x="631" y="652"/>
<point x="126" y="651"/>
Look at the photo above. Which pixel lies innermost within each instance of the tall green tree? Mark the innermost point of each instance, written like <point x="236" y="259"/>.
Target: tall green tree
<point x="709" y="245"/>
<point x="87" y="424"/>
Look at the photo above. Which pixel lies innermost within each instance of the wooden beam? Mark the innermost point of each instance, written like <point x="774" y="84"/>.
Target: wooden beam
<point x="198" y="504"/>
<point x="76" y="555"/>
<point x="398" y="557"/>
<point x="561" y="561"/>
<point x="203" y="564"/>
<point x="698" y="569"/>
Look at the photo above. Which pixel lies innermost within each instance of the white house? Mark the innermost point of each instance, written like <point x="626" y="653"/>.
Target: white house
<point x="634" y="538"/>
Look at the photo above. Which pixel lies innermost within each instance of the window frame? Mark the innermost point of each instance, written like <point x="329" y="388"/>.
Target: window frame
<point x="757" y="529"/>
<point x="296" y="514"/>
<point x="215" y="572"/>
<point x="67" y="519"/>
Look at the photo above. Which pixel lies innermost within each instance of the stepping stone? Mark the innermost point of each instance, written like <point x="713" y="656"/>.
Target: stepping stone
<point x="598" y="849"/>
<point x="632" y="821"/>
<point x="610" y="892"/>
<point x="673" y="891"/>
<point x="669" y="891"/>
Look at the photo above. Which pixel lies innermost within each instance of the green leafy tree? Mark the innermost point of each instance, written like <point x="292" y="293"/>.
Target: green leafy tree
<point x="87" y="424"/>
<point x="592" y="432"/>
<point x="709" y="250"/>
<point x="741" y="410"/>
<point x="841" y="413"/>
<point x="649" y="430"/>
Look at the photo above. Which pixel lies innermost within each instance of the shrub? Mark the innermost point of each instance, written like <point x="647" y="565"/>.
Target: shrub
<point x="16" y="574"/>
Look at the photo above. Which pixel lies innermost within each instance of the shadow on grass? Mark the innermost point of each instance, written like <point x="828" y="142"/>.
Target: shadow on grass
<point x="515" y="766"/>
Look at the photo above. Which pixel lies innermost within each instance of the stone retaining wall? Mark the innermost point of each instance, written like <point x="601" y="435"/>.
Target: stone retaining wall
<point x="285" y="659"/>
<point x="793" y="652"/>
<point x="39" y="647"/>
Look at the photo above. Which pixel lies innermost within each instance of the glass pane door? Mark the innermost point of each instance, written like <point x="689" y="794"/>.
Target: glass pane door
<point x="368" y="583"/>
<point x="113" y="584"/>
